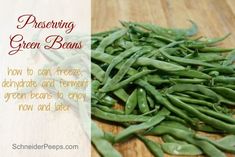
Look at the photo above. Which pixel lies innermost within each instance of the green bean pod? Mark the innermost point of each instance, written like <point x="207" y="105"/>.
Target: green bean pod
<point x="160" y="116"/>
<point x="226" y="148"/>
<point x="118" y="59"/>
<point x="108" y="109"/>
<point x="150" y="102"/>
<point x="153" y="147"/>
<point x="131" y="102"/>
<point x="194" y="88"/>
<point x="203" y="117"/>
<point x="110" y="39"/>
<point x="186" y="60"/>
<point x="230" y="58"/>
<point x="102" y="145"/>
<point x="205" y="146"/>
<point x="224" y="79"/>
<point x="228" y="140"/>
<point x="142" y="100"/>
<point x="117" y="118"/>
<point x="225" y="92"/>
<point x="216" y="49"/>
<point x="126" y="82"/>
<point x="181" y="149"/>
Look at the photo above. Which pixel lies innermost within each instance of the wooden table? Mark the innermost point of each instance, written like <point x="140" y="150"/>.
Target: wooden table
<point x="214" y="18"/>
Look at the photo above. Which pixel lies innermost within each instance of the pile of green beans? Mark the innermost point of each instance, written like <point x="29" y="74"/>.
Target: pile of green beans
<point x="163" y="82"/>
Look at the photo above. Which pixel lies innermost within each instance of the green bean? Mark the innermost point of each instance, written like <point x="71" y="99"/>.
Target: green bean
<point x="124" y="68"/>
<point x="180" y="113"/>
<point x="216" y="49"/>
<point x="216" y="40"/>
<point x="225" y="101"/>
<point x="99" y="74"/>
<point x="191" y="74"/>
<point x="107" y="101"/>
<point x="155" y="42"/>
<point x="206" y="128"/>
<point x="206" y="43"/>
<point x="117" y="118"/>
<point x="230" y="58"/>
<point x="118" y="59"/>
<point x="176" y="119"/>
<point x="173" y="50"/>
<point x="131" y="102"/>
<point x="226" y="148"/>
<point x="205" y="146"/>
<point x="96" y="94"/>
<point x="104" y="99"/>
<point x="121" y="73"/>
<point x="228" y="140"/>
<point x="170" y="45"/>
<point x="221" y="69"/>
<point x="108" y="109"/>
<point x="144" y="61"/>
<point x="95" y="85"/>
<point x="156" y="80"/>
<point x="209" y="120"/>
<point x="154" y="147"/>
<point x="225" y="92"/>
<point x="110" y="39"/>
<point x="178" y="125"/>
<point x="188" y="61"/>
<point x="150" y="102"/>
<point x="196" y="81"/>
<point x="109" y="137"/>
<point x="195" y="101"/>
<point x="171" y="41"/>
<point x="142" y="101"/>
<point x="227" y="86"/>
<point x="209" y="57"/>
<point x="121" y="94"/>
<point x="183" y="95"/>
<point x="168" y="32"/>
<point x="181" y="149"/>
<point x="111" y="50"/>
<point x="224" y="79"/>
<point x="213" y="74"/>
<point x="217" y="115"/>
<point x="194" y="88"/>
<point x="124" y="44"/>
<point x="127" y="81"/>
<point x="161" y="38"/>
<point x="153" y="111"/>
<point x="199" y="95"/>
<point x="102" y="145"/>
<point x="164" y="101"/>
<point x="156" y="95"/>
<point x="145" y="125"/>
<point x="169" y="139"/>
<point x="135" y="29"/>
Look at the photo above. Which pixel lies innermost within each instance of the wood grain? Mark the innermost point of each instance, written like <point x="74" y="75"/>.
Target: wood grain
<point x="214" y="18"/>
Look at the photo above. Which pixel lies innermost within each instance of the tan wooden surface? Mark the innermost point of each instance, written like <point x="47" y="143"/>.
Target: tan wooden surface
<point x="214" y="18"/>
